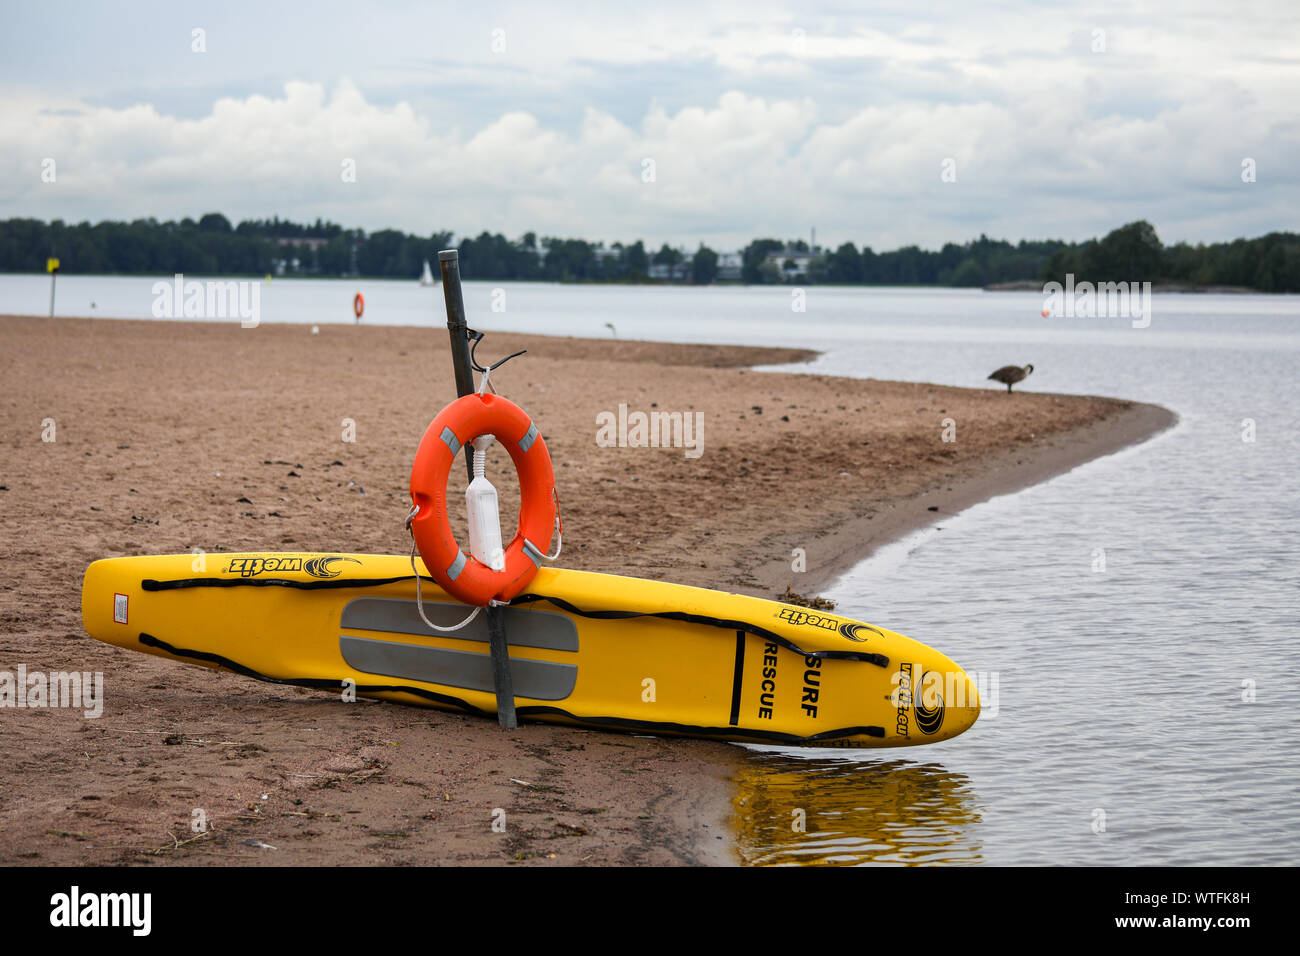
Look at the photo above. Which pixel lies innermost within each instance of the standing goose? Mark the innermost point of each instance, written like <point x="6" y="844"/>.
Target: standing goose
<point x="1010" y="374"/>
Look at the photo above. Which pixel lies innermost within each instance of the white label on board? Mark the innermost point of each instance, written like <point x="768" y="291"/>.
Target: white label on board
<point x="119" y="608"/>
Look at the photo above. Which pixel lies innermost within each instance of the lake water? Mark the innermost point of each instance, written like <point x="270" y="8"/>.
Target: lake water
<point x="1135" y="615"/>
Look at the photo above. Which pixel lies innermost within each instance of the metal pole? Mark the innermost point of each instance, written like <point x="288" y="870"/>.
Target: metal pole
<point x="501" y="680"/>
<point x="53" y="275"/>
<point x="449" y="265"/>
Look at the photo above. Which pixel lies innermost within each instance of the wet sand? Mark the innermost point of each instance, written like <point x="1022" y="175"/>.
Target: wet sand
<point x="170" y="436"/>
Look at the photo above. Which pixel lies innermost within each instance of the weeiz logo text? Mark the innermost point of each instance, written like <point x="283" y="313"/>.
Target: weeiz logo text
<point x="853" y="630"/>
<point x="796" y="616"/>
<point x="322" y="567"/>
<point x="208" y="300"/>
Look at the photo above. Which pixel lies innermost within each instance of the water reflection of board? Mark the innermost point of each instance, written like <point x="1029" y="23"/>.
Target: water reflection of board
<point x="589" y="649"/>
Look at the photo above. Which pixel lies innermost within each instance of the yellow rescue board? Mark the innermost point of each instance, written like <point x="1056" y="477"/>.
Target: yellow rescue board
<point x="594" y="650"/>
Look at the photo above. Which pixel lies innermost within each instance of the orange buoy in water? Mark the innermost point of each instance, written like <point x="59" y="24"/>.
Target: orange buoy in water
<point x="358" y="304"/>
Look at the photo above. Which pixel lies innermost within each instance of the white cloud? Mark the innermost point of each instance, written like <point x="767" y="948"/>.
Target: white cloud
<point x="847" y="132"/>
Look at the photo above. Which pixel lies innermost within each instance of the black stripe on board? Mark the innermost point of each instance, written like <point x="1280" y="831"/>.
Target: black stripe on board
<point x="148" y="640"/>
<point x="618" y="723"/>
<point x="766" y="736"/>
<point x="149" y="584"/>
<point x="880" y="660"/>
<point x="737" y="677"/>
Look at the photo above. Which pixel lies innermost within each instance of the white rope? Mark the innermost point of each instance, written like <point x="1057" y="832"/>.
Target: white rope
<point x="559" y="541"/>
<point x="419" y="597"/>
<point x="559" y="528"/>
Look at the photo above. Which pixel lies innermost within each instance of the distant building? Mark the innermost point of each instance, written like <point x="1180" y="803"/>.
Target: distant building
<point x="677" y="272"/>
<point x="309" y="243"/>
<point x="793" y="263"/>
<point x="730" y="266"/>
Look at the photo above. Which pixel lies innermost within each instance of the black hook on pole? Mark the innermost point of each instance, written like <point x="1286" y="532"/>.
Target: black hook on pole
<point x="477" y="338"/>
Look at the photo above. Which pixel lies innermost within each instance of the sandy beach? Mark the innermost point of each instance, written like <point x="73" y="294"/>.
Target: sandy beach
<point x="169" y="436"/>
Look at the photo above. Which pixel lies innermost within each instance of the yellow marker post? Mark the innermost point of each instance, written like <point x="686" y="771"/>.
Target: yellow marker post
<point x="52" y="267"/>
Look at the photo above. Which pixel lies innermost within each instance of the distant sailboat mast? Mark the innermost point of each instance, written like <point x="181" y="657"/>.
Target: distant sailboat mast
<point x="426" y="278"/>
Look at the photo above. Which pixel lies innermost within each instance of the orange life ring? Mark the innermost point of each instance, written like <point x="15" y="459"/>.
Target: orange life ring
<point x="459" y="574"/>
<point x="358" y="304"/>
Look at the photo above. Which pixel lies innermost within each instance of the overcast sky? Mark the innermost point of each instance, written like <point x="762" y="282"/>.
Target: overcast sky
<point x="759" y="118"/>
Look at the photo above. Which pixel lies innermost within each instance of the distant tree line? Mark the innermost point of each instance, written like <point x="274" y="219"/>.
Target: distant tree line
<point x="1269" y="263"/>
<point x="211" y="245"/>
<point x="1133" y="252"/>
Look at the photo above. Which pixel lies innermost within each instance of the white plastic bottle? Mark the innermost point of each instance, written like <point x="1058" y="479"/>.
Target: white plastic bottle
<point x="484" y="512"/>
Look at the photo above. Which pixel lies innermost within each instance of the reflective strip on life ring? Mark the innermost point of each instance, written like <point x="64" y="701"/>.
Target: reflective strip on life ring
<point x="358" y="304"/>
<point x="460" y="575"/>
